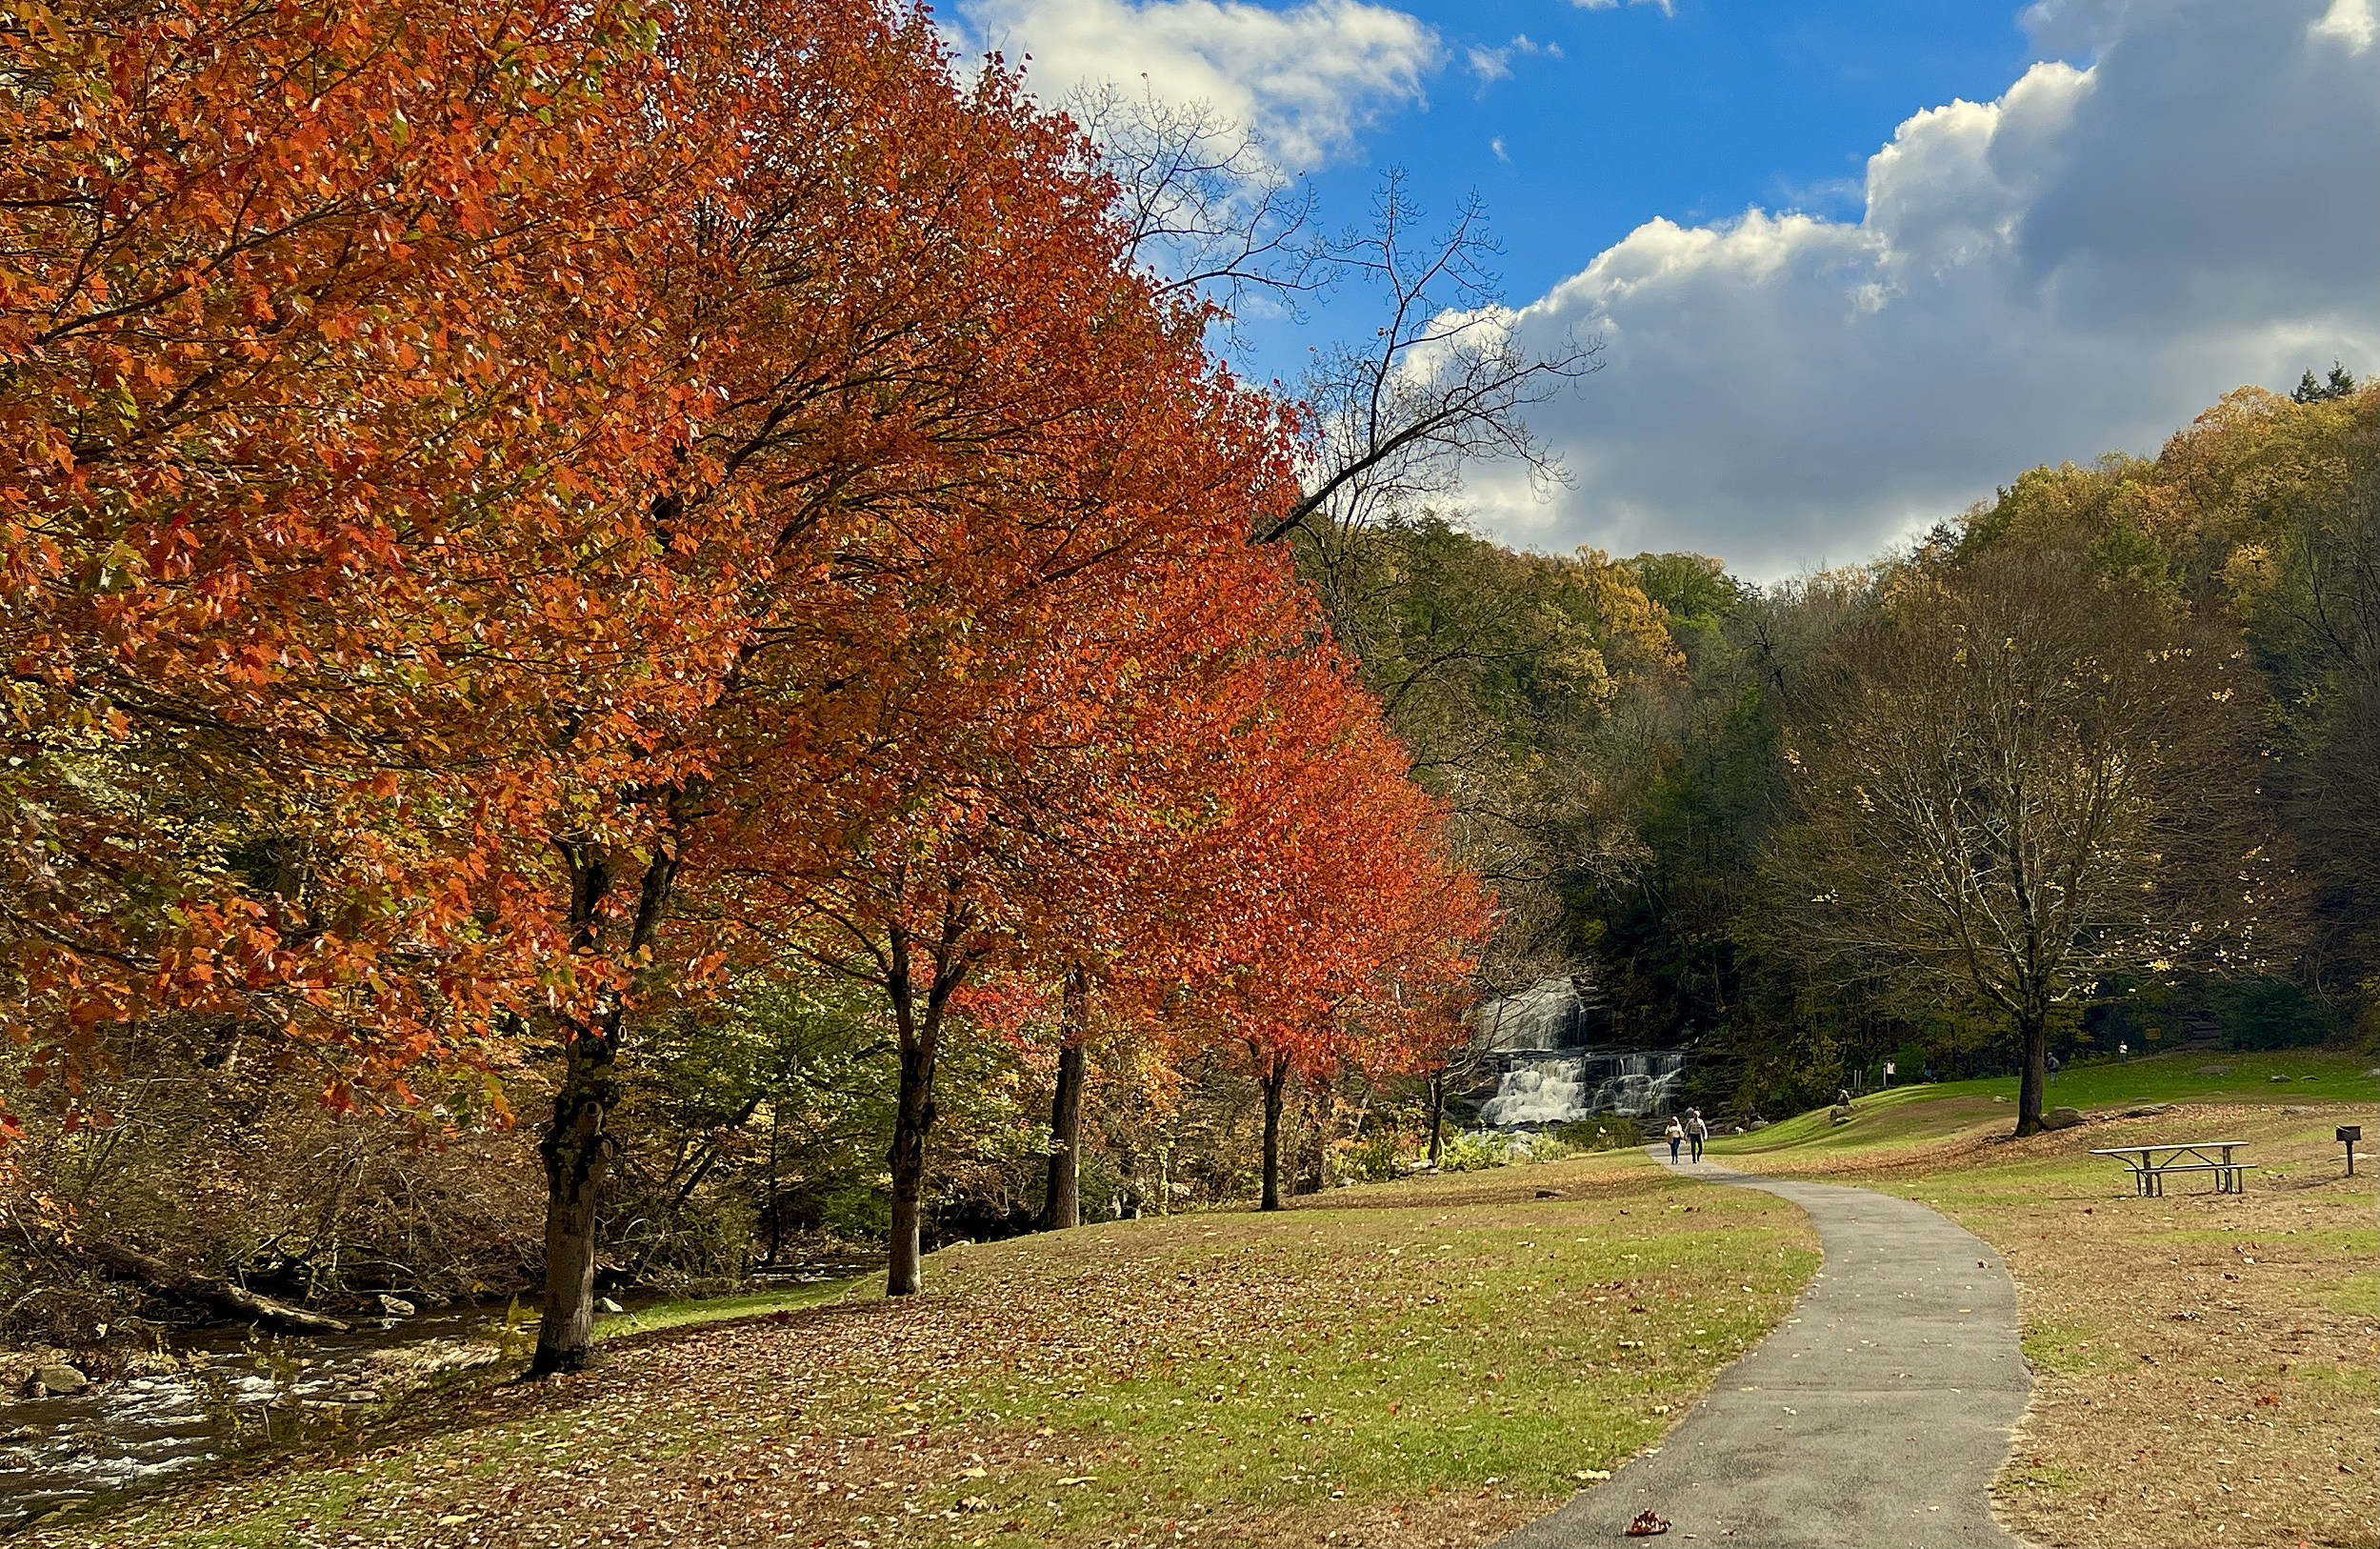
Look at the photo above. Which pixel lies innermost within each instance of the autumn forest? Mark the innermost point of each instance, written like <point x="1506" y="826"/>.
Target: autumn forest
<point x="646" y="644"/>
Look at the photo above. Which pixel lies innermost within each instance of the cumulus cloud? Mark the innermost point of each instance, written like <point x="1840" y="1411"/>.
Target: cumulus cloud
<point x="2072" y="268"/>
<point x="1309" y="79"/>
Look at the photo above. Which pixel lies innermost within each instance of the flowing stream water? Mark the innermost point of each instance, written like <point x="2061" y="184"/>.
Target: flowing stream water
<point x="224" y="1391"/>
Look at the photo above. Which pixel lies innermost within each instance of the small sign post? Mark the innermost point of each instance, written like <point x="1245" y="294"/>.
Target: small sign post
<point x="2349" y="1134"/>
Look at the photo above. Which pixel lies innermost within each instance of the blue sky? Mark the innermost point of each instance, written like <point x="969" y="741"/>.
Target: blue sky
<point x="1693" y="115"/>
<point x="1855" y="264"/>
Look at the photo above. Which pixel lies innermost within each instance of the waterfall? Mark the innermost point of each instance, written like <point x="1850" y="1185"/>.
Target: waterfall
<point x="1537" y="1044"/>
<point x="1557" y="1086"/>
<point x="1537" y="1091"/>
<point x="1537" y="1018"/>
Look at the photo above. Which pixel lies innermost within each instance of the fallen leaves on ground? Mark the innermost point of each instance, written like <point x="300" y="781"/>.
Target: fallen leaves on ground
<point x="1434" y="1368"/>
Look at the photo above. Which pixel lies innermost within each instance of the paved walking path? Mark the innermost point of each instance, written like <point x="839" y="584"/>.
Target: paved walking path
<point x="1874" y="1418"/>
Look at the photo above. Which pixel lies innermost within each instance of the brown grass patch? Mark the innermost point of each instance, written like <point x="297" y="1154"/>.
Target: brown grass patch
<point x="2204" y="1363"/>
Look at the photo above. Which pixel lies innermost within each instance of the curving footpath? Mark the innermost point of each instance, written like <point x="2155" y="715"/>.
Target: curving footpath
<point x="1873" y="1418"/>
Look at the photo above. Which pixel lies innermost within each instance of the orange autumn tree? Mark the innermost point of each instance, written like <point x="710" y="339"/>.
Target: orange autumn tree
<point x="322" y="354"/>
<point x="506" y="694"/>
<point x="1341" y="924"/>
<point x="1138" y="890"/>
<point x="964" y="467"/>
<point x="905" y="303"/>
<point x="533" y="500"/>
<point x="995" y="805"/>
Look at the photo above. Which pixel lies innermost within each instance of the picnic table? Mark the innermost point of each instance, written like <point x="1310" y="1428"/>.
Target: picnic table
<point x="2150" y="1168"/>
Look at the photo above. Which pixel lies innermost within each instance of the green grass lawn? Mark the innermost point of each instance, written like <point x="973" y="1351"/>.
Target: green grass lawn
<point x="690" y="1311"/>
<point x="1910" y="1115"/>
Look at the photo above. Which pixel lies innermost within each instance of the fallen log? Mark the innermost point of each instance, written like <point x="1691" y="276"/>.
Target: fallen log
<point x="221" y="1294"/>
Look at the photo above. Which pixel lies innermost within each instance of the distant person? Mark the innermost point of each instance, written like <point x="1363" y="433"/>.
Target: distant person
<point x="1674" y="1135"/>
<point x="2123" y="1054"/>
<point x="1696" y="1130"/>
<point x="2053" y="1062"/>
<point x="1843" y="1097"/>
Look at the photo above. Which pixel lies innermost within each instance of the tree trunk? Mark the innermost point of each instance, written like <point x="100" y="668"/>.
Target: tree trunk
<point x="221" y="1294"/>
<point x="912" y="1116"/>
<point x="920" y="1031"/>
<point x="1437" y="1116"/>
<point x="577" y="1150"/>
<point x="578" y="1147"/>
<point x="1274" y="1081"/>
<point x="776" y="1208"/>
<point x="2032" y="1027"/>
<point x="1061" y="1201"/>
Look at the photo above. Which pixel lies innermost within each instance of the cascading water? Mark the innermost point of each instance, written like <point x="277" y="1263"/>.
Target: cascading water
<point x="1541" y="1017"/>
<point x="1549" y="1091"/>
<point x="1557" y="1087"/>
<point x="1539" y="1046"/>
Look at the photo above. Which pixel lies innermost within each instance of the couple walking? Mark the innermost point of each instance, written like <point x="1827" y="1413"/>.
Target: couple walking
<point x="1693" y="1129"/>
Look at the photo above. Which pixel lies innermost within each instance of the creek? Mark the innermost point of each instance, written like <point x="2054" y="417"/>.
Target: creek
<point x="213" y="1392"/>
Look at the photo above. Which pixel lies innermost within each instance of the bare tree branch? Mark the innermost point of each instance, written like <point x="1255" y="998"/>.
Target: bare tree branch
<point x="1443" y="381"/>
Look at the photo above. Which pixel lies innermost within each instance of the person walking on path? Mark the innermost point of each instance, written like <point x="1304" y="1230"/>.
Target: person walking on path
<point x="1675" y="1133"/>
<point x="1696" y="1130"/>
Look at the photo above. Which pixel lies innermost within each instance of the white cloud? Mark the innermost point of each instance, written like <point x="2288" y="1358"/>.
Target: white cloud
<point x="1496" y="145"/>
<point x="1614" y="5"/>
<point x="1309" y="79"/>
<point x="2075" y="268"/>
<point x="2351" y="22"/>
<point x="1492" y="64"/>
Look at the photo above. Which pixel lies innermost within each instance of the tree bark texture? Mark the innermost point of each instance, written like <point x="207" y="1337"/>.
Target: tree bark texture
<point x="1274" y="1081"/>
<point x="1062" y="1200"/>
<point x="920" y="1031"/>
<point x="913" y="1117"/>
<point x="1437" y="1116"/>
<point x="577" y="1151"/>
<point x="578" y="1147"/>
<point x="2032" y="1028"/>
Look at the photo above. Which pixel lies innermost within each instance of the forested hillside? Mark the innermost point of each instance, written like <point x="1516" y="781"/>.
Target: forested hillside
<point x="1757" y="812"/>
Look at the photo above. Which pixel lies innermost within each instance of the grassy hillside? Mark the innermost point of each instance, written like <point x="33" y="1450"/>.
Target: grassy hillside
<point x="1910" y="1114"/>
